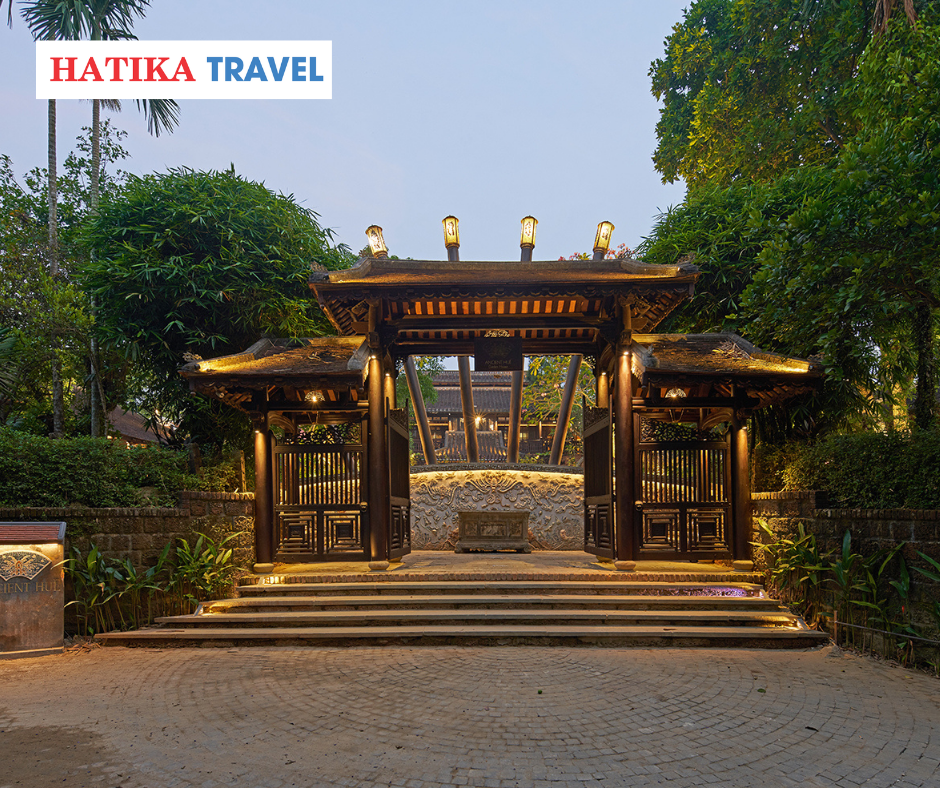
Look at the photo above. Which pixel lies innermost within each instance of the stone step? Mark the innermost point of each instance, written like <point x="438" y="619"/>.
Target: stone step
<point x="455" y="601"/>
<point x="518" y="574"/>
<point x="438" y="587"/>
<point x="476" y="635"/>
<point x="520" y="618"/>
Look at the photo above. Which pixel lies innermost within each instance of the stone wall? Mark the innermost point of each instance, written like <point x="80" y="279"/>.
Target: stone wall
<point x="871" y="529"/>
<point x="553" y="496"/>
<point x="140" y="534"/>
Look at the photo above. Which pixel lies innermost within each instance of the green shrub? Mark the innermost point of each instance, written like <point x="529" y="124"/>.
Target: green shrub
<point x="110" y="593"/>
<point x="95" y="472"/>
<point x="869" y="470"/>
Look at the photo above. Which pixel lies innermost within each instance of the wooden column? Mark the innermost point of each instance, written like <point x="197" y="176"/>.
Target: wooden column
<point x="421" y="413"/>
<point x="379" y="501"/>
<point x="515" y="416"/>
<point x="741" y="496"/>
<point x="603" y="390"/>
<point x="564" y="411"/>
<point x="624" y="536"/>
<point x="380" y="504"/>
<point x="389" y="379"/>
<point x="466" y="402"/>
<point x="264" y="497"/>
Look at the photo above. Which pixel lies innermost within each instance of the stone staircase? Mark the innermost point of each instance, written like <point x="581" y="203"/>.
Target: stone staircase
<point x="302" y="612"/>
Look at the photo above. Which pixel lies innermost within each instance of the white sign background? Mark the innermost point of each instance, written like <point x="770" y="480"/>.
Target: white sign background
<point x="294" y="82"/>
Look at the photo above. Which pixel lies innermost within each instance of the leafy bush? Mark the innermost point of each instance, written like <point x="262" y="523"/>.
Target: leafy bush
<point x="111" y="593"/>
<point x="871" y="470"/>
<point x="96" y="472"/>
<point x="870" y="591"/>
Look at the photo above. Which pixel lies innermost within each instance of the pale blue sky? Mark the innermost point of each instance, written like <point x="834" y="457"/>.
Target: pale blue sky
<point x="487" y="110"/>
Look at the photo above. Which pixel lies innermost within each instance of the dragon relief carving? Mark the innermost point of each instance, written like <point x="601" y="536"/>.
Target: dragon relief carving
<point x="554" y="500"/>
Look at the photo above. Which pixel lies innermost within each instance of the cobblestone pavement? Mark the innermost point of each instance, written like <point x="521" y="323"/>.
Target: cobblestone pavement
<point x="494" y="717"/>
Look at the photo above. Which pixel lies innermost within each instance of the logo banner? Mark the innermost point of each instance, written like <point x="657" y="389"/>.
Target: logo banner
<point x="184" y="69"/>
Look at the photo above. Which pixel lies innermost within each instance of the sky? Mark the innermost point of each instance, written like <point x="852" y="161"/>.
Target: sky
<point x="486" y="110"/>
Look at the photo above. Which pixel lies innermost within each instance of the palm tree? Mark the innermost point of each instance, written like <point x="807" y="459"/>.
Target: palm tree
<point x="96" y="20"/>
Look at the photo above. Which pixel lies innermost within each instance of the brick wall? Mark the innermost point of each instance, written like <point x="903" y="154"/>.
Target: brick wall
<point x="141" y="533"/>
<point x="871" y="529"/>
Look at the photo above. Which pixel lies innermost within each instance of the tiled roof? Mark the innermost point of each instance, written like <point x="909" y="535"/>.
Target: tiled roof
<point x="451" y="377"/>
<point x="486" y="399"/>
<point x="388" y="271"/>
<point x="320" y="356"/>
<point x="713" y="354"/>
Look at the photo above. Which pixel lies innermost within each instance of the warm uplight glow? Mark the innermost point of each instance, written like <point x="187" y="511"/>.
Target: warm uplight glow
<point x="314" y="397"/>
<point x="376" y="241"/>
<point x="528" y="232"/>
<point x="602" y="239"/>
<point x="451" y="232"/>
<point x="675" y="393"/>
<point x="477" y="420"/>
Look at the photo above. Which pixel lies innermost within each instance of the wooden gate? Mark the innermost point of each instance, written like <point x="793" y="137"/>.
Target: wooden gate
<point x="684" y="492"/>
<point x="598" y="483"/>
<point x="319" y="492"/>
<point x="399" y="537"/>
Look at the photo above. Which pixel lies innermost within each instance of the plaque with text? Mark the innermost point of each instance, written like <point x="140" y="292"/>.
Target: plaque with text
<point x="32" y="599"/>
<point x="497" y="354"/>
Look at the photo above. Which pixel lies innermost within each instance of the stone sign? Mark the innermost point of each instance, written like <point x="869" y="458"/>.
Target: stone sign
<point x="491" y="530"/>
<point x="32" y="596"/>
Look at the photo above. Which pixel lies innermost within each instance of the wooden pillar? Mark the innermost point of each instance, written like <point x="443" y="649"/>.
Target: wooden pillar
<point x="515" y="416"/>
<point x="603" y="390"/>
<point x="264" y="497"/>
<point x="564" y="411"/>
<point x="624" y="536"/>
<point x="379" y="501"/>
<point x="389" y="380"/>
<point x="741" y="497"/>
<point x="421" y="413"/>
<point x="380" y="504"/>
<point x="466" y="402"/>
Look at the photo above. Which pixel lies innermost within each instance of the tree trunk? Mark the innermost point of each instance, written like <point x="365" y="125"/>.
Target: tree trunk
<point x="95" y="153"/>
<point x="52" y="199"/>
<point x="58" y="399"/>
<point x="96" y="401"/>
<point x="925" y="398"/>
<point x="53" y="195"/>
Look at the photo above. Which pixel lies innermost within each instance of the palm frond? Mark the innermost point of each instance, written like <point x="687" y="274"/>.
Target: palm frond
<point x="163" y="115"/>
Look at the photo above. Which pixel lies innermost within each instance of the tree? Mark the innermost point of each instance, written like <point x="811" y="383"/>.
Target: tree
<point x="751" y="88"/>
<point x="46" y="312"/>
<point x="854" y="272"/>
<point x="202" y="263"/>
<point x="96" y="20"/>
<point x="723" y="229"/>
<point x="542" y="392"/>
<point x="427" y="367"/>
<point x="8" y="354"/>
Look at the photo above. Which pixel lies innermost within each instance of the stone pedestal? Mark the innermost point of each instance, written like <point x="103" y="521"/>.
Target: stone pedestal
<point x="32" y="596"/>
<point x="493" y="530"/>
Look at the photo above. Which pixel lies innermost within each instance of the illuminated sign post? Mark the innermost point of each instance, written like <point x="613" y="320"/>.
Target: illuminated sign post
<point x="32" y="596"/>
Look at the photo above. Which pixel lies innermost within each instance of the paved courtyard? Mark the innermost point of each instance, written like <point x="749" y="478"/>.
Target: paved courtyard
<point x="499" y="717"/>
